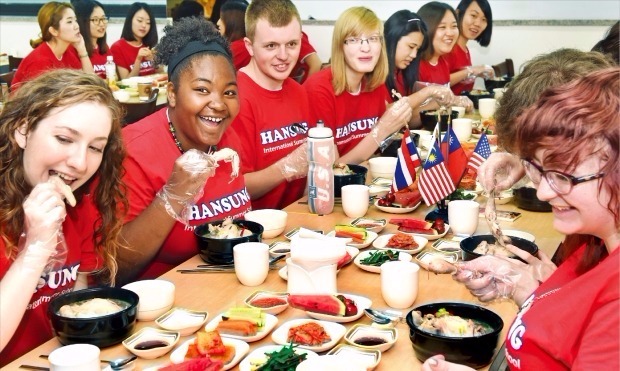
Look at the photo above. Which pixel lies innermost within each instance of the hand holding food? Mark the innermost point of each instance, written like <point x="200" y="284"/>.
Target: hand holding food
<point x="507" y="164"/>
<point x="462" y="101"/>
<point x="441" y="94"/>
<point x="295" y="164"/>
<point x="393" y="119"/>
<point x="64" y="189"/>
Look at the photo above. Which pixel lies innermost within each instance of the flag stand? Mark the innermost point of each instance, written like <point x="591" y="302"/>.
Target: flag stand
<point x="441" y="212"/>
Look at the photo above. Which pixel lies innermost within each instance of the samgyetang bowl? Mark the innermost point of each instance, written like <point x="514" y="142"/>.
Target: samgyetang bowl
<point x="471" y="351"/>
<point x="469" y="244"/>
<point x="358" y="177"/>
<point x="220" y="251"/>
<point x="102" y="330"/>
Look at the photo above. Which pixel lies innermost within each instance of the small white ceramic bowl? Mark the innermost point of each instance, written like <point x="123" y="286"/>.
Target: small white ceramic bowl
<point x="274" y="309"/>
<point x="121" y="95"/>
<point x="365" y="332"/>
<point x="382" y="167"/>
<point x="185" y="321"/>
<point x="156" y="297"/>
<point x="147" y="338"/>
<point x="272" y="220"/>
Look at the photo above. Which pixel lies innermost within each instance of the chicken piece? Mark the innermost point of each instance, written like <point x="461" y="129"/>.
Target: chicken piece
<point x="228" y="155"/>
<point x="65" y="190"/>
<point x="440" y="266"/>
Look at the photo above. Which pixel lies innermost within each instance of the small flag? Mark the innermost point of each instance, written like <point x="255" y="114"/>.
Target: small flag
<point x="435" y="182"/>
<point x="408" y="162"/>
<point x="481" y="153"/>
<point x="457" y="159"/>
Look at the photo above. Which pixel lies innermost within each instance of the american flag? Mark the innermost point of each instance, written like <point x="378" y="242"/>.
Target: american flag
<point x="481" y="153"/>
<point x="435" y="182"/>
<point x="408" y="162"/>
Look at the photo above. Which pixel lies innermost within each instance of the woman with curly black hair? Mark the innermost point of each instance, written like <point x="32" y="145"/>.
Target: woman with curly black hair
<point x="167" y="197"/>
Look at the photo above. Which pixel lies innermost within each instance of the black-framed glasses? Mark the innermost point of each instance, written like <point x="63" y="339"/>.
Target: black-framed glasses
<point x="97" y="21"/>
<point x="561" y="182"/>
<point x="360" y="41"/>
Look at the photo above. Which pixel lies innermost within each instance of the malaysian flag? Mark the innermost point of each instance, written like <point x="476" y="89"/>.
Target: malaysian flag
<point x="408" y="162"/>
<point x="435" y="182"/>
<point x="481" y="153"/>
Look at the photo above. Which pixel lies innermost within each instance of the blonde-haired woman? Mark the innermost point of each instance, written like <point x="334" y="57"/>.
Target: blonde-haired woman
<point x="61" y="44"/>
<point x="350" y="96"/>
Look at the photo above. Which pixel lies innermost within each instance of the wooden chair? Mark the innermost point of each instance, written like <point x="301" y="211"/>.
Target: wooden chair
<point x="7" y="77"/>
<point x="14" y="62"/>
<point x="136" y="111"/>
<point x="506" y="68"/>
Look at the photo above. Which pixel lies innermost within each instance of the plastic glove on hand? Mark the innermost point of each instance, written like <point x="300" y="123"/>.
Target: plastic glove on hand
<point x="500" y="171"/>
<point x="295" y="164"/>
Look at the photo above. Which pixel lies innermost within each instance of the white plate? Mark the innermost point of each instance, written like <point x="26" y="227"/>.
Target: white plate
<point x="378" y="190"/>
<point x="245" y="365"/>
<point x="424" y="258"/>
<point x="374" y="269"/>
<point x="370" y="236"/>
<point x="378" y="224"/>
<point x="277" y="246"/>
<point x="396" y="210"/>
<point x="241" y="349"/>
<point x="268" y="294"/>
<point x="335" y="331"/>
<point x="389" y="335"/>
<point x="353" y="252"/>
<point x="381" y="242"/>
<point x="431" y="237"/>
<point x="270" y="322"/>
<point x="369" y="358"/>
<point x="293" y="232"/>
<point x="360" y="301"/>
<point x="185" y="321"/>
<point x="382" y="182"/>
<point x="520" y="234"/>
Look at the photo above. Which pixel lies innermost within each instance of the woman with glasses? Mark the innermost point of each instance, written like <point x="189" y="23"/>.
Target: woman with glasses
<point x="93" y="25"/>
<point x="61" y="44"/>
<point x="569" y="318"/>
<point x="133" y="53"/>
<point x="350" y="96"/>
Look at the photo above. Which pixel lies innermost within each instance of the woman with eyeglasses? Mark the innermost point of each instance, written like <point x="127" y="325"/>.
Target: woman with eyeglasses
<point x="569" y="318"/>
<point x="350" y="96"/>
<point x="133" y="53"/>
<point x="93" y="25"/>
<point x="61" y="44"/>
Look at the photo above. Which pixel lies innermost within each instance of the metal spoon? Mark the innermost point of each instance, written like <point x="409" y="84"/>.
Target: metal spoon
<point x="382" y="318"/>
<point x="119" y="364"/>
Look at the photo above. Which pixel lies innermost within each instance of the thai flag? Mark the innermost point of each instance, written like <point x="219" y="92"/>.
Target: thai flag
<point x="408" y="162"/>
<point x="481" y="153"/>
<point x="457" y="159"/>
<point x="435" y="182"/>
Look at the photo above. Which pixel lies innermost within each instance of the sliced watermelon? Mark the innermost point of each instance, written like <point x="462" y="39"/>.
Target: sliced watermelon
<point x="407" y="198"/>
<point x="412" y="223"/>
<point x="326" y="304"/>
<point x="430" y="231"/>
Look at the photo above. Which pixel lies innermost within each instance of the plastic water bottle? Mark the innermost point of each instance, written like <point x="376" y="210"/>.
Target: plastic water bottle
<point x="110" y="70"/>
<point x="321" y="169"/>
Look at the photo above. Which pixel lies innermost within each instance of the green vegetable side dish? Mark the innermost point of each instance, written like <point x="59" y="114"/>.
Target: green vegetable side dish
<point x="379" y="257"/>
<point x="461" y="194"/>
<point x="284" y="359"/>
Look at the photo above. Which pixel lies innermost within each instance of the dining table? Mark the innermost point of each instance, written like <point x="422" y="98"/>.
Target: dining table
<point x="216" y="292"/>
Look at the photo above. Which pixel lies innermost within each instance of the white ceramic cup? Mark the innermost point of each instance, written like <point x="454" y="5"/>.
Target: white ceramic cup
<point x="460" y="110"/>
<point x="498" y="93"/>
<point x="463" y="216"/>
<point x="399" y="283"/>
<point x="486" y="107"/>
<point x="251" y="262"/>
<point x="462" y="129"/>
<point x="355" y="199"/>
<point x="75" y="357"/>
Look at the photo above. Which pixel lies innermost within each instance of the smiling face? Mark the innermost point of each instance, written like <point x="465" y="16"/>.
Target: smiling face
<point x="446" y="35"/>
<point x="474" y="22"/>
<point x="68" y="142"/>
<point x="205" y="102"/>
<point x="97" y="30"/>
<point x="140" y="24"/>
<point x="68" y="29"/>
<point x="584" y="209"/>
<point x="362" y="58"/>
<point x="274" y="51"/>
<point x="407" y="49"/>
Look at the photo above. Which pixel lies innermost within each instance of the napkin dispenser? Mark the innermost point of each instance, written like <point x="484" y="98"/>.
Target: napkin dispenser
<point x="311" y="269"/>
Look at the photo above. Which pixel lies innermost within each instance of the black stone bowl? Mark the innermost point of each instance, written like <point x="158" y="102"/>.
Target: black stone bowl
<point x="475" y="97"/>
<point x="102" y="331"/>
<point x="429" y="120"/>
<point x="392" y="149"/>
<point x="220" y="251"/>
<point x="526" y="199"/>
<point x="499" y="83"/>
<point x="471" y="351"/>
<point x="358" y="177"/>
<point x="469" y="244"/>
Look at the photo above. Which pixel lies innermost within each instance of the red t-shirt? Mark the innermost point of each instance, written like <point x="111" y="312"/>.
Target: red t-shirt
<point x="125" y="55"/>
<point x="459" y="59"/>
<point x="98" y="61"/>
<point x="151" y="153"/>
<point x="351" y="117"/>
<point x="264" y="126"/>
<point x="240" y="54"/>
<point x="43" y="59"/>
<point x="438" y="74"/>
<point x="35" y="328"/>
<point x="571" y="322"/>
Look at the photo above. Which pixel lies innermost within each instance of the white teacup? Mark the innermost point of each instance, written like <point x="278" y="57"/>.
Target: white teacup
<point x="355" y="199"/>
<point x="251" y="262"/>
<point x="462" y="129"/>
<point x="399" y="283"/>
<point x="463" y="216"/>
<point x="75" y="357"/>
<point x="486" y="107"/>
<point x="460" y="110"/>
